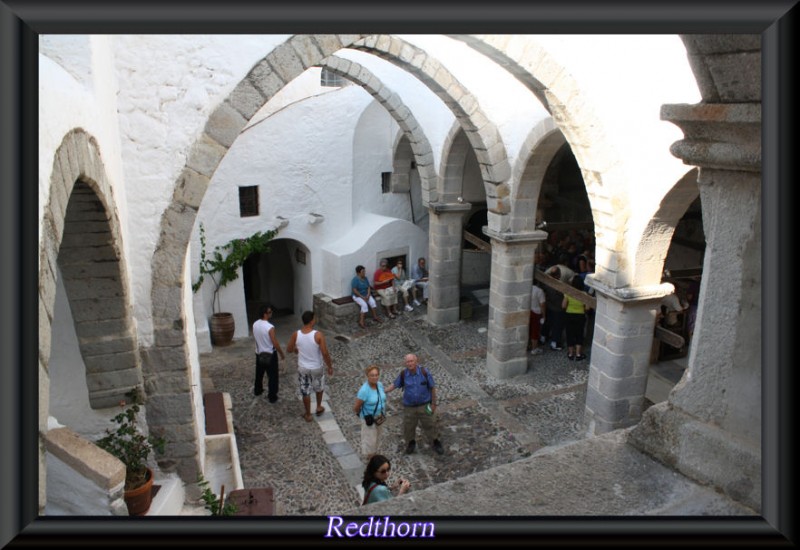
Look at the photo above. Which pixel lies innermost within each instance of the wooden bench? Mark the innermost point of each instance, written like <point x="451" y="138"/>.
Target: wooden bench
<point x="216" y="419"/>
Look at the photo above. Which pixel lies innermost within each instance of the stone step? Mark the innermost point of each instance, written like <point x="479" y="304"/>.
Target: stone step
<point x="169" y="499"/>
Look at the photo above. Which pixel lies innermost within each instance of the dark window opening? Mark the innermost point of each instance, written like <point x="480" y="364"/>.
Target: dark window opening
<point x="401" y="258"/>
<point x="386" y="182"/>
<point x="248" y="201"/>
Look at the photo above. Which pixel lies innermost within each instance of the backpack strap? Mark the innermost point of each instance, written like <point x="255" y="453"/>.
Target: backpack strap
<point x="366" y="496"/>
<point x="422" y="370"/>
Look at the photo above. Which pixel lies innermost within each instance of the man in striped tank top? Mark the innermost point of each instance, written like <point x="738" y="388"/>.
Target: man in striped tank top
<point x="311" y="350"/>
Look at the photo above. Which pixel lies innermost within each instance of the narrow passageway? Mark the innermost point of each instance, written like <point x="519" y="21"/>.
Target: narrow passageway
<point x="485" y="422"/>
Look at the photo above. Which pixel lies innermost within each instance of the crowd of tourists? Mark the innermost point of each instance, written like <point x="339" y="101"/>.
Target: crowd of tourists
<point x="560" y="318"/>
<point x="389" y="284"/>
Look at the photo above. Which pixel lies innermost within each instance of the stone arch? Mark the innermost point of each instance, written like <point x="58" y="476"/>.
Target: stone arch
<point x="170" y="396"/>
<point x="423" y="154"/>
<point x="172" y="403"/>
<point x="600" y="163"/>
<point x="536" y="154"/>
<point x="652" y="249"/>
<point x="81" y="240"/>
<point x="454" y="154"/>
<point x="483" y="135"/>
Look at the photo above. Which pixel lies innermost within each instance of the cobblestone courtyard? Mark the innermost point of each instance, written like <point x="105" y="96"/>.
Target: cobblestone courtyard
<point x="484" y="421"/>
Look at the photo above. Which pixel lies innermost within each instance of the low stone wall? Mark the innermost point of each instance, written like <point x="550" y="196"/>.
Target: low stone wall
<point x="331" y="315"/>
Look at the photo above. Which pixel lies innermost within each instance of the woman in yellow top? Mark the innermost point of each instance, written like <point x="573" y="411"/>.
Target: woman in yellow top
<point x="575" y="322"/>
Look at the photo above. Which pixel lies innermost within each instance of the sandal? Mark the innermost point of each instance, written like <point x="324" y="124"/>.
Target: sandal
<point x="320" y="411"/>
<point x="392" y="316"/>
<point x="307" y="417"/>
<point x="378" y="320"/>
<point x="362" y="325"/>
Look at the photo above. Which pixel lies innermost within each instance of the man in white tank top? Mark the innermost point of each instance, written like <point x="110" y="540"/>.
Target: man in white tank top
<point x="311" y="350"/>
<point x="267" y="346"/>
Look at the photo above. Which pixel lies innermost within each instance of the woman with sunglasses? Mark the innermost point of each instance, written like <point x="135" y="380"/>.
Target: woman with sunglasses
<point x="375" y="476"/>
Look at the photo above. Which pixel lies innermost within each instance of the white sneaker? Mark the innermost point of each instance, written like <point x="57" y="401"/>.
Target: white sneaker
<point x="409" y="308"/>
<point x="416" y="303"/>
<point x="537" y="351"/>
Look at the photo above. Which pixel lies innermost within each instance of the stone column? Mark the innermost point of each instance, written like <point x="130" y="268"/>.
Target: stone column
<point x="510" y="300"/>
<point x="444" y="250"/>
<point x="620" y="359"/>
<point x="710" y="427"/>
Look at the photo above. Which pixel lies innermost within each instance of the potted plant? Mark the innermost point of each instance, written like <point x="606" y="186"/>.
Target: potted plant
<point x="223" y="267"/>
<point x="132" y="447"/>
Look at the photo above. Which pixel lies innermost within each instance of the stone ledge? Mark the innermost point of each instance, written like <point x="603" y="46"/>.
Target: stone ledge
<point x="599" y="476"/>
<point x="85" y="457"/>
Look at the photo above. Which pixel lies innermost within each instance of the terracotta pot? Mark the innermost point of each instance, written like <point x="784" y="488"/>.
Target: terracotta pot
<point x="138" y="500"/>
<point x="222" y="328"/>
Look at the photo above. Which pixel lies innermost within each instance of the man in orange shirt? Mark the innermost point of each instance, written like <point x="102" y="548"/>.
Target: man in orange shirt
<point x="383" y="281"/>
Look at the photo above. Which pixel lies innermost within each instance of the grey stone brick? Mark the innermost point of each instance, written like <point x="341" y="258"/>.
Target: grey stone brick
<point x="224" y="125"/>
<point x="246" y="98"/>
<point x="206" y="154"/>
<point x="285" y="61"/>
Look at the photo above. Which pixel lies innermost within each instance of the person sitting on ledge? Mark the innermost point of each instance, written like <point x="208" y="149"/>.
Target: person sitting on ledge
<point x="405" y="285"/>
<point x="362" y="295"/>
<point x="383" y="281"/>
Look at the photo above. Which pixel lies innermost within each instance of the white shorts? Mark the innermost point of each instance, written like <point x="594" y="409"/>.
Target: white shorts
<point x="360" y="301"/>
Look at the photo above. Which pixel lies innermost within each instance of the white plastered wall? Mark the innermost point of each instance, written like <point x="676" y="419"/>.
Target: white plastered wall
<point x="299" y="157"/>
<point x="168" y="87"/>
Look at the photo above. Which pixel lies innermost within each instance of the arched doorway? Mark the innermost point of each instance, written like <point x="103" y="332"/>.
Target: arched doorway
<point x="280" y="277"/>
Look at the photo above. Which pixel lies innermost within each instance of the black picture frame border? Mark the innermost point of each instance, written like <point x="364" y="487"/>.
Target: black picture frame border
<point x="22" y="22"/>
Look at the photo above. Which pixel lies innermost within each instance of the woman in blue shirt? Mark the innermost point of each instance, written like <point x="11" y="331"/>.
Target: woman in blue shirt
<point x="371" y="401"/>
<point x="375" y="476"/>
<point x="362" y="295"/>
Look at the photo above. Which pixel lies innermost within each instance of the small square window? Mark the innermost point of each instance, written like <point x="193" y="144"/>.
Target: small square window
<point x="248" y="201"/>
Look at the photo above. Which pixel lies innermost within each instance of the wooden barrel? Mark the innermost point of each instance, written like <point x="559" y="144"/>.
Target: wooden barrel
<point x="222" y="327"/>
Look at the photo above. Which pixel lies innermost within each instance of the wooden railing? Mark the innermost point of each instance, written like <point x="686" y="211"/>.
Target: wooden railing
<point x="665" y="335"/>
<point x="564" y="288"/>
<point x="482" y="245"/>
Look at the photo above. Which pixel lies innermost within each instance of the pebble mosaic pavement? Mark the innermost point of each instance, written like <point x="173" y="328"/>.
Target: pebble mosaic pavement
<point x="484" y="421"/>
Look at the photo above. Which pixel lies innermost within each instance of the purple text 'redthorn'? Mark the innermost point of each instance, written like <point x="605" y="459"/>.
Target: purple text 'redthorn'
<point x="379" y="528"/>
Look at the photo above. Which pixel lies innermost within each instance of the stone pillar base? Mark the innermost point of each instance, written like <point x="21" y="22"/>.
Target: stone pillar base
<point x="443" y="316"/>
<point x="506" y="369"/>
<point x="715" y="457"/>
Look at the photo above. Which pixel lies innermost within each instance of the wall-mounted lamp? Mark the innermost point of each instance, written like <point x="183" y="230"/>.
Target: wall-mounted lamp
<point x="314" y="218"/>
<point x="541" y="225"/>
<point x="282" y="222"/>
